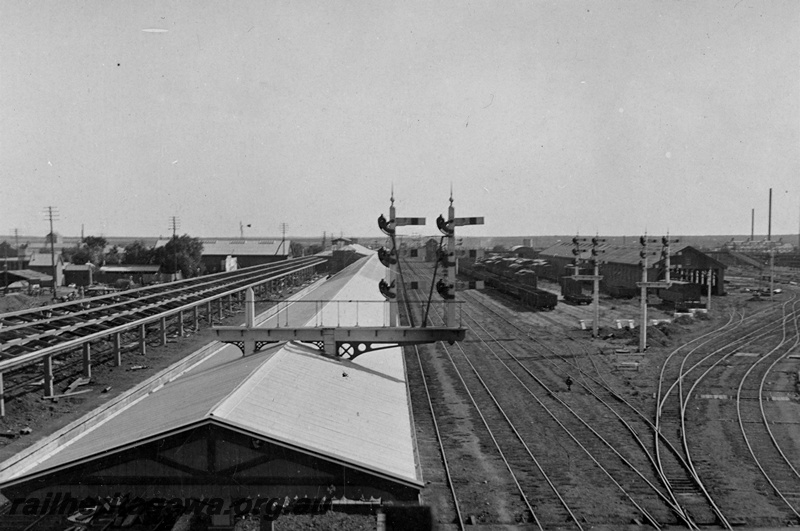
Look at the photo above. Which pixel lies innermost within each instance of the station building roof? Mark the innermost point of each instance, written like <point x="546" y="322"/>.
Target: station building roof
<point x="355" y="413"/>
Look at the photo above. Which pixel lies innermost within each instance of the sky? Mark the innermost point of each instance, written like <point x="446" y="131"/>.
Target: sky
<point x="559" y="117"/>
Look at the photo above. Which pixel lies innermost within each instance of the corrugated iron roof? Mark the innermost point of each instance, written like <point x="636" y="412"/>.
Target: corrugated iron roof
<point x="44" y="259"/>
<point x="80" y="267"/>
<point x="358" y="249"/>
<point x="355" y="412"/>
<point x="122" y="269"/>
<point x="241" y="247"/>
<point x="33" y="276"/>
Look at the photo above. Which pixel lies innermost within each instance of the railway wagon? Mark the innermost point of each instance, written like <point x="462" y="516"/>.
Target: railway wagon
<point x="622" y="292"/>
<point x="532" y="297"/>
<point x="512" y="270"/>
<point x="572" y="291"/>
<point x="538" y="298"/>
<point x="516" y="282"/>
<point x="526" y="277"/>
<point x="681" y="294"/>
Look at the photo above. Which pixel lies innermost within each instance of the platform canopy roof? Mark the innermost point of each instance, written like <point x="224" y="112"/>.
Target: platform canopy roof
<point x="356" y="413"/>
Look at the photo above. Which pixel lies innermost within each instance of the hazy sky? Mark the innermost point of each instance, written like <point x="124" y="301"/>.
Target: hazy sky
<point x="557" y="117"/>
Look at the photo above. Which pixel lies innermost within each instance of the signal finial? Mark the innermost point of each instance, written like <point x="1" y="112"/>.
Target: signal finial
<point x="391" y="197"/>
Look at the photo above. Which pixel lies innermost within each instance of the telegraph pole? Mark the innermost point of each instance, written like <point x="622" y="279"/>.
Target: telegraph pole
<point x="5" y="270"/>
<point x="16" y="242"/>
<point x="644" y="284"/>
<point x="283" y="227"/>
<point x="174" y="224"/>
<point x="596" y="284"/>
<point x="595" y="277"/>
<point x="53" y="214"/>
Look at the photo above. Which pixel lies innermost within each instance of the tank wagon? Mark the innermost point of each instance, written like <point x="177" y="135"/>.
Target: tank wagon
<point x="512" y="277"/>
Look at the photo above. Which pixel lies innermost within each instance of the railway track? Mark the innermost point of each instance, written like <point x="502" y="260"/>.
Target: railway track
<point x="597" y="461"/>
<point x="27" y="331"/>
<point x="717" y="380"/>
<point x="125" y="321"/>
<point x="630" y="420"/>
<point x="768" y="431"/>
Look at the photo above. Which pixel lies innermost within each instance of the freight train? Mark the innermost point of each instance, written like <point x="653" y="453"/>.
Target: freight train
<point x="512" y="277"/>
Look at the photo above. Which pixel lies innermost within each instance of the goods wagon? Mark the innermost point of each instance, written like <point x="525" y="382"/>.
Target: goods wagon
<point x="622" y="292"/>
<point x="681" y="294"/>
<point x="572" y="291"/>
<point x="509" y="276"/>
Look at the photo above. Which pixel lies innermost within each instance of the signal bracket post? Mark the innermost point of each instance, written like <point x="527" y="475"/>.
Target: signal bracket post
<point x="393" y="269"/>
<point x="448" y="229"/>
<point x="340" y="342"/>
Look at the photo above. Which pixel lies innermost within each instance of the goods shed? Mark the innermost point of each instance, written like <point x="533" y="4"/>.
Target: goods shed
<point x="621" y="269"/>
<point x="559" y="259"/>
<point x="694" y="266"/>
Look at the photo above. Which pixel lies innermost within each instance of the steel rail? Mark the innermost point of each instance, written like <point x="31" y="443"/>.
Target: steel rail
<point x="761" y="396"/>
<point x="640" y="416"/>
<point x="496" y="443"/>
<point x="793" y="315"/>
<point x="440" y="441"/>
<point x="155" y="289"/>
<point x="550" y="392"/>
<point x="161" y="292"/>
<point x="23" y="359"/>
<point x="665" y="441"/>
<point x="683" y="373"/>
<point x="516" y="432"/>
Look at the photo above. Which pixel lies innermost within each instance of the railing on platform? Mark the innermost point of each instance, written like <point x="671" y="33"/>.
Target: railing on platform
<point x="351" y="313"/>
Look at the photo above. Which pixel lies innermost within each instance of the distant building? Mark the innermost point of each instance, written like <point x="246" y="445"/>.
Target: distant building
<point x="138" y="274"/>
<point x="26" y="279"/>
<point x="79" y="274"/>
<point x="759" y="246"/>
<point x="620" y="266"/>
<point x="346" y="255"/>
<point x="42" y="262"/>
<point x="219" y="254"/>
